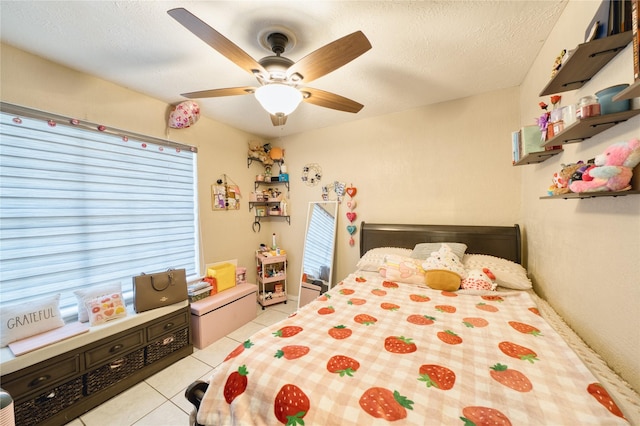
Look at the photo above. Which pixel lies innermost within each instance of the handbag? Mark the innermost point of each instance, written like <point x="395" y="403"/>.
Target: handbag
<point x="152" y="291"/>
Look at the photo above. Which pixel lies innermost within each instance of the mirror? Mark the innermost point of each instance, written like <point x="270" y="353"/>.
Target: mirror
<point x="319" y="247"/>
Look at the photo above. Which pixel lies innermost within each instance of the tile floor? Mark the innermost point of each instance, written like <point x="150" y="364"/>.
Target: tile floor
<point x="159" y="400"/>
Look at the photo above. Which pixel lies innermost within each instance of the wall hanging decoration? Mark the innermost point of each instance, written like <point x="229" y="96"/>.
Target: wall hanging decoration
<point x="351" y="214"/>
<point x="184" y="115"/>
<point x="312" y="174"/>
<point x="225" y="194"/>
<point x="333" y="191"/>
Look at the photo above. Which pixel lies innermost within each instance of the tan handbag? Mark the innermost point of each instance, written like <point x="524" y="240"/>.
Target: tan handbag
<point x="152" y="291"/>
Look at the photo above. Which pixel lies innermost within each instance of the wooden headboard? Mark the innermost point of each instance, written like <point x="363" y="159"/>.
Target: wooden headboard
<point x="499" y="241"/>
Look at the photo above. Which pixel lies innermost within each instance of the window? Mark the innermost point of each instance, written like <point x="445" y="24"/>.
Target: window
<point x="82" y="207"/>
<point x="319" y="244"/>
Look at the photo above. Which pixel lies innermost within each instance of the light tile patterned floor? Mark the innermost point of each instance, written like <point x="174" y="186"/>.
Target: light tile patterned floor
<point x="159" y="400"/>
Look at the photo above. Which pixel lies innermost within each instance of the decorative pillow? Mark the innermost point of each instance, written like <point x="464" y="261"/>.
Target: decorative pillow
<point x="30" y="318"/>
<point x="424" y="250"/>
<point x="106" y="308"/>
<point x="373" y="259"/>
<point x="402" y="269"/>
<point x="508" y="274"/>
<point x="91" y="293"/>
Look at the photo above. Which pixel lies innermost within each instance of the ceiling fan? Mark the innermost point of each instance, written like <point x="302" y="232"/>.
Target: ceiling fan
<point x="279" y="77"/>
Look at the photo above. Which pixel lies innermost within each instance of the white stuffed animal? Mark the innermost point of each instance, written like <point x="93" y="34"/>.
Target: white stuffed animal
<point x="479" y="279"/>
<point x="445" y="259"/>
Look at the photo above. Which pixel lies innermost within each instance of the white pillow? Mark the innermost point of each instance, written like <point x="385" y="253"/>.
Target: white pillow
<point x="508" y="274"/>
<point x="106" y="308"/>
<point x="373" y="259"/>
<point x="30" y="318"/>
<point x="91" y="293"/>
<point x="424" y="250"/>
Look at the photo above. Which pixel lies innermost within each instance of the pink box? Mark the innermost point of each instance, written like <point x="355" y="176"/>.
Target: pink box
<point x="214" y="317"/>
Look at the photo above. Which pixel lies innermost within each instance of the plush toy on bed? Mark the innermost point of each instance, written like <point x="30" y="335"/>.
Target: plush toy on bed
<point x="444" y="270"/>
<point x="479" y="279"/>
<point x="613" y="169"/>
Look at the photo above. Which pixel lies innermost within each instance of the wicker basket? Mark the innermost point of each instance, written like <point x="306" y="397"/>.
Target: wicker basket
<point x="166" y="345"/>
<point x="47" y="404"/>
<point x="112" y="373"/>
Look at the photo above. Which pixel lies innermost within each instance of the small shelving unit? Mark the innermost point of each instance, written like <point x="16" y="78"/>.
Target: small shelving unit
<point x="537" y="157"/>
<point x="588" y="127"/>
<point x="585" y="62"/>
<point x="269" y="202"/>
<point x="271" y="271"/>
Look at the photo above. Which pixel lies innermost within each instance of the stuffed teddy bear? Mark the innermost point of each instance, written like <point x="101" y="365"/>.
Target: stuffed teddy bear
<point x="612" y="169"/>
<point x="260" y="153"/>
<point x="479" y="279"/>
<point x="562" y="178"/>
<point x="443" y="269"/>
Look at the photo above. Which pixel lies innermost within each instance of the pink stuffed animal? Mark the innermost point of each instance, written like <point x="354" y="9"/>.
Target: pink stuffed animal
<point x="613" y="169"/>
<point x="479" y="279"/>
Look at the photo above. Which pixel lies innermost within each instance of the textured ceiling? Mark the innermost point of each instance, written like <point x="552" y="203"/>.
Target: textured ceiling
<point x="423" y="52"/>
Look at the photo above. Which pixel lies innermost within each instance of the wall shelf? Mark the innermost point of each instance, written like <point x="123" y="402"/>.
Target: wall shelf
<point x="585" y="62"/>
<point x="588" y="127"/>
<point x="633" y="91"/>
<point x="537" y="157"/>
<point x="591" y="195"/>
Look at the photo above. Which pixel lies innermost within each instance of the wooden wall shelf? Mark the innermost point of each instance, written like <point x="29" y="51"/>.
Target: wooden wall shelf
<point x="633" y="91"/>
<point x="537" y="157"/>
<point x="591" y="195"/>
<point x="585" y="62"/>
<point x="588" y="127"/>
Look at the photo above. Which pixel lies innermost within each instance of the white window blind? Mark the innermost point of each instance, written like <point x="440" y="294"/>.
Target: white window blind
<point x="82" y="207"/>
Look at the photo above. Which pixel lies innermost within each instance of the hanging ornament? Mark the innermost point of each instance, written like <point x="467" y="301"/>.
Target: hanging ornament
<point x="352" y="191"/>
<point x="312" y="174"/>
<point x="351" y="204"/>
<point x="351" y="216"/>
<point x="102" y="128"/>
<point x="74" y="121"/>
<point x="351" y="229"/>
<point x="51" y="123"/>
<point x="185" y="114"/>
<point x="351" y="241"/>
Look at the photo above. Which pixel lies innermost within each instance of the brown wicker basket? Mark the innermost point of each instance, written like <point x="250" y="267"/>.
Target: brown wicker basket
<point x="167" y="344"/>
<point x="49" y="403"/>
<point x="112" y="373"/>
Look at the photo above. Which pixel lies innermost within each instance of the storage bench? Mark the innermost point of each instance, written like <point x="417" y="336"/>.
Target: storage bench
<point x="216" y="316"/>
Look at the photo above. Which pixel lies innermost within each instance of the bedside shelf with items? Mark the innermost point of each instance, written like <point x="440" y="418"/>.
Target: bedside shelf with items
<point x="585" y="62"/>
<point x="588" y="127"/>
<point x="271" y="270"/>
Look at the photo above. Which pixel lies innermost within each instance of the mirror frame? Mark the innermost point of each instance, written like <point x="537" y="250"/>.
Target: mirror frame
<point x="334" y="205"/>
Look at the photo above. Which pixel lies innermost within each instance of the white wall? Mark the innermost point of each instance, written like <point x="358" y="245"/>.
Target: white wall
<point x="584" y="255"/>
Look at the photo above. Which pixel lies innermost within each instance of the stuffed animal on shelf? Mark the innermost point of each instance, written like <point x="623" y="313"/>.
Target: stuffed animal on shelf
<point x="562" y="178"/>
<point x="260" y="153"/>
<point x="479" y="279"/>
<point x="612" y="169"/>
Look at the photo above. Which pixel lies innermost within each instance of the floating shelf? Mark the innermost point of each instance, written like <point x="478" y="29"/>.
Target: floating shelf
<point x="591" y="195"/>
<point x="585" y="62"/>
<point x="633" y="91"/>
<point x="537" y="157"/>
<point x="588" y="127"/>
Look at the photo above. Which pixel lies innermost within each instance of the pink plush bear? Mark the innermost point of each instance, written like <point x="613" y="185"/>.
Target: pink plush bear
<point x="613" y="169"/>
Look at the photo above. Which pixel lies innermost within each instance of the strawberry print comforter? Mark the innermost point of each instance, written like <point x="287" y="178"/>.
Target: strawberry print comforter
<point x="372" y="351"/>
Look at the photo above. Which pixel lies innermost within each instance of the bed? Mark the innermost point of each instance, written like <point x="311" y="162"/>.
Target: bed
<point x="374" y="350"/>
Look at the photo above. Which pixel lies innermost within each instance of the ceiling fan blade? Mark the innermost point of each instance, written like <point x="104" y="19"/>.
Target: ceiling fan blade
<point x="330" y="57"/>
<point x="216" y="40"/>
<point x="329" y="100"/>
<point x="216" y="93"/>
<point x="278" y="120"/>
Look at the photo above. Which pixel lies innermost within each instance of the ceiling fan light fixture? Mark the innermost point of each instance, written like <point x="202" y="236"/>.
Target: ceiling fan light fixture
<point x="278" y="98"/>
